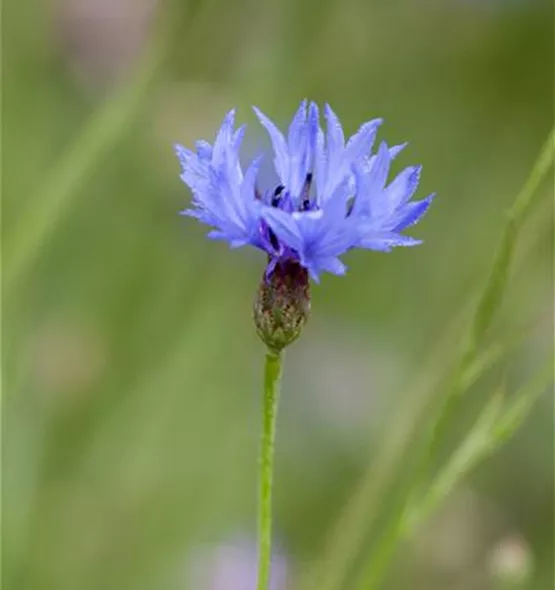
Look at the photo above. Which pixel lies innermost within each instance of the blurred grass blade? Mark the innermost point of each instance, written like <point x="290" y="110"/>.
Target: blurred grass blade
<point x="357" y="516"/>
<point x="96" y="138"/>
<point x="488" y="304"/>
<point x="343" y="543"/>
<point x="491" y="297"/>
<point x="406" y="518"/>
<point x="492" y="429"/>
<point x="54" y="197"/>
<point x="496" y="351"/>
<point x="518" y="409"/>
<point x="489" y="301"/>
<point x="495" y="287"/>
<point x="525" y="199"/>
<point x="464" y="458"/>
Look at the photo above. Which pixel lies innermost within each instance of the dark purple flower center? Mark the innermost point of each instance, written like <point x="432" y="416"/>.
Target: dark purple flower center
<point x="282" y="200"/>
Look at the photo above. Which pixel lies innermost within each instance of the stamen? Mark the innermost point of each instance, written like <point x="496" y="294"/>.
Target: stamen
<point x="350" y="205"/>
<point x="273" y="240"/>
<point x="275" y="202"/>
<point x="305" y="195"/>
<point x="277" y="195"/>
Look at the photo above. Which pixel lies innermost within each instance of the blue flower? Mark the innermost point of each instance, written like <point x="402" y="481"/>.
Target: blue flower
<point x="332" y="195"/>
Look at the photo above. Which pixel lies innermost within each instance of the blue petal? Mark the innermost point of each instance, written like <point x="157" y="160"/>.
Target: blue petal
<point x="403" y="187"/>
<point x="397" y="149"/>
<point x="320" y="166"/>
<point x="313" y="130"/>
<point x="313" y="271"/>
<point x="370" y="183"/>
<point x="324" y="264"/>
<point x="356" y="150"/>
<point x="223" y="139"/>
<point x="299" y="156"/>
<point x="284" y="226"/>
<point x="380" y="170"/>
<point x="311" y="226"/>
<point x="297" y="127"/>
<point x="195" y="171"/>
<point x="335" y="136"/>
<point x="385" y="241"/>
<point x="183" y="155"/>
<point x="249" y="180"/>
<point x="216" y="235"/>
<point x="411" y="213"/>
<point x="336" y="206"/>
<point x="281" y="161"/>
<point x="204" y="150"/>
<point x="335" y="243"/>
<point x="239" y="242"/>
<point x="361" y="142"/>
<point x="197" y="213"/>
<point x="238" y="138"/>
<point x="313" y="126"/>
<point x="336" y="165"/>
<point x="393" y="153"/>
<point x="332" y="265"/>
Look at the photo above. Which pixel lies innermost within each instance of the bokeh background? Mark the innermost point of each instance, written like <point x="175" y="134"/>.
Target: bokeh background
<point x="131" y="370"/>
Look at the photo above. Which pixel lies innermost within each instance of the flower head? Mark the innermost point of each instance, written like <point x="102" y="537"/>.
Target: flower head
<point x="332" y="194"/>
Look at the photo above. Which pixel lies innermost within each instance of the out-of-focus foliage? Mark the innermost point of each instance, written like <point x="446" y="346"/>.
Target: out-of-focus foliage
<point x="131" y="369"/>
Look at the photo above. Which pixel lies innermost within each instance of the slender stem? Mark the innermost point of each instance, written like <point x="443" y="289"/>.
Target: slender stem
<point x="272" y="378"/>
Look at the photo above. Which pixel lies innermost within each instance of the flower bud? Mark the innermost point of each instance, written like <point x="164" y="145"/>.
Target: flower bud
<point x="282" y="305"/>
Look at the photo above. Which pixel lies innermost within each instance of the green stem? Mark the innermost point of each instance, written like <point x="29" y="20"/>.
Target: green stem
<point x="272" y="378"/>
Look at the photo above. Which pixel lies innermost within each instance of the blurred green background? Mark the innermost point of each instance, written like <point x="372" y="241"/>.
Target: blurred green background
<point x="131" y="370"/>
